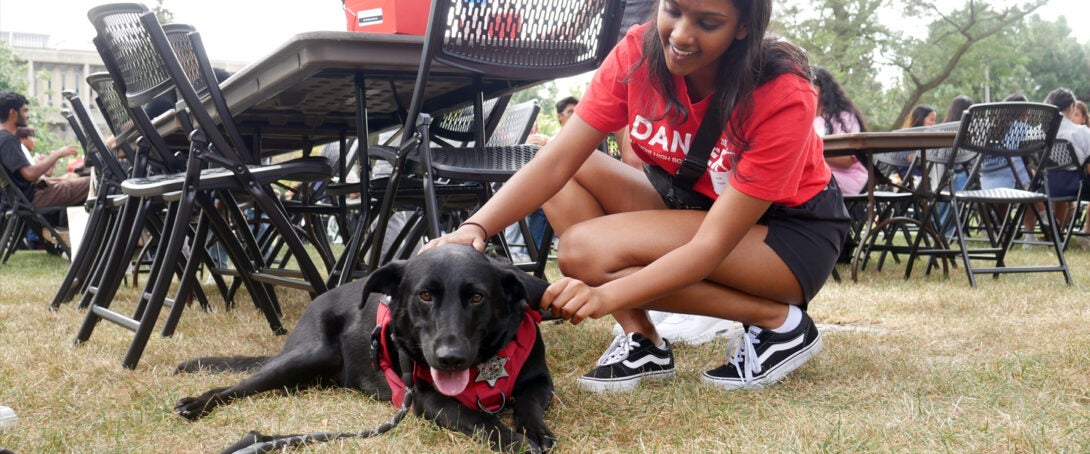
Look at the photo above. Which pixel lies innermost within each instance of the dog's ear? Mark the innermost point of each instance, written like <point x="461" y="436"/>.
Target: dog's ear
<point x="384" y="280"/>
<point x="520" y="285"/>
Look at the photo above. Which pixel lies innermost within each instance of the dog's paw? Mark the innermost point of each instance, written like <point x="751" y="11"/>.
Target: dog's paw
<point x="541" y="439"/>
<point x="191" y="408"/>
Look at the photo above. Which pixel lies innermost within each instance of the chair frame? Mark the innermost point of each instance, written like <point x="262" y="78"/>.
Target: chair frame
<point x="979" y="135"/>
<point x="457" y="37"/>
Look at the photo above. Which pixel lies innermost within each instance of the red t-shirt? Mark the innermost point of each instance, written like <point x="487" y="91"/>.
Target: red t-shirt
<point x="783" y="164"/>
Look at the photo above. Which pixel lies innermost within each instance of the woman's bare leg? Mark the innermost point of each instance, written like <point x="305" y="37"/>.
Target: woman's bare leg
<point x="613" y="223"/>
<point x="604" y="186"/>
<point x="753" y="285"/>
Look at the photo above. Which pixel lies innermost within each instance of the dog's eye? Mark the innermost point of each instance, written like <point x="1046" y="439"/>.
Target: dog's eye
<point x="425" y="296"/>
<point x="476" y="298"/>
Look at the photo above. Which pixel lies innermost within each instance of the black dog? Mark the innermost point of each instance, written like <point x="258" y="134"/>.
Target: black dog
<point x="454" y="313"/>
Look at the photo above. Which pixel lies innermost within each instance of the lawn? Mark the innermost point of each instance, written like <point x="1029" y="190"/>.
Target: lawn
<point x="923" y="365"/>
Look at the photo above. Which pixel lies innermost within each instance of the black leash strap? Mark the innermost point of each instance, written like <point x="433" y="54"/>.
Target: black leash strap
<point x="254" y="442"/>
<point x="696" y="160"/>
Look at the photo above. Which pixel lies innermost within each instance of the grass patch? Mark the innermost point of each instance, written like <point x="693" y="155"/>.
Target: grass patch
<point x="928" y="364"/>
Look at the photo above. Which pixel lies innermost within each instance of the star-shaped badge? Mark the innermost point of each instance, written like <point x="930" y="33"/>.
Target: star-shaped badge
<point x="492" y="370"/>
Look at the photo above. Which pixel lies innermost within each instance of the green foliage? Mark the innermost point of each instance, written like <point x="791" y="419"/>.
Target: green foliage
<point x="985" y="50"/>
<point x="11" y="71"/>
<point x="547" y="95"/>
<point x="12" y="78"/>
<point x="164" y="15"/>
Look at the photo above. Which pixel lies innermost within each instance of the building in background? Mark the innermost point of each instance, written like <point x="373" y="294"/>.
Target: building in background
<point x="51" y="71"/>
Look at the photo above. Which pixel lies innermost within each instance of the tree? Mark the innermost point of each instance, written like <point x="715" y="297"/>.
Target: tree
<point x="11" y="71"/>
<point x="927" y="63"/>
<point x="12" y="78"/>
<point x="844" y="37"/>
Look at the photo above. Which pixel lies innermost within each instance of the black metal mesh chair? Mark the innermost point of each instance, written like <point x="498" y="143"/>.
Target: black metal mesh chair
<point x="144" y="66"/>
<point x="515" y="39"/>
<point x="1009" y="131"/>
<point x="103" y="208"/>
<point x="20" y="215"/>
<point x="1062" y="158"/>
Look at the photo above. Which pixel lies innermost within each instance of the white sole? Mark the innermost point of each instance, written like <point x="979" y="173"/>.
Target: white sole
<point x="774" y="375"/>
<point x="605" y="385"/>
<point x="7" y="417"/>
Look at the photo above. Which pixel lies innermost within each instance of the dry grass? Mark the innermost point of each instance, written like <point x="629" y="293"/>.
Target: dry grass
<point x="926" y="365"/>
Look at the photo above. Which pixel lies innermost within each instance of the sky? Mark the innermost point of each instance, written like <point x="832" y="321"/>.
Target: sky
<point x="244" y="31"/>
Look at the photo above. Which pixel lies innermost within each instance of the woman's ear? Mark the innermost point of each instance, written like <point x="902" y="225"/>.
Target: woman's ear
<point x="742" y="32"/>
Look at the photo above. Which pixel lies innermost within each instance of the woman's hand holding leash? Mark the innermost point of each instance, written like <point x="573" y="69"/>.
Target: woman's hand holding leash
<point x="575" y="301"/>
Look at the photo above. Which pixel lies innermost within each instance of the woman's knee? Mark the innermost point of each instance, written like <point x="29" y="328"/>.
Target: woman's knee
<point x="579" y="255"/>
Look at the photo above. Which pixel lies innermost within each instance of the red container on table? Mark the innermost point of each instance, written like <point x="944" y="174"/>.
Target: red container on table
<point x="405" y="17"/>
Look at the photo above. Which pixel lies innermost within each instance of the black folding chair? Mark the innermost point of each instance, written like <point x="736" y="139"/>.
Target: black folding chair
<point x="104" y="208"/>
<point x="144" y="66"/>
<point x="20" y="215"/>
<point x="1007" y="130"/>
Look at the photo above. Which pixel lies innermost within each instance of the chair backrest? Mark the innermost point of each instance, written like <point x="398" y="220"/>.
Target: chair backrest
<point x="95" y="145"/>
<point x="123" y="124"/>
<point x="1062" y="156"/>
<point x="515" y="125"/>
<point x="111" y="105"/>
<point x="520" y="39"/>
<point x="516" y="39"/>
<point x="1006" y="130"/>
<point x="138" y="68"/>
<point x="138" y="53"/>
<point x="459" y="124"/>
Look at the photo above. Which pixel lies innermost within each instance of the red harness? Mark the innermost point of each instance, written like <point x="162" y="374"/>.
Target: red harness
<point x="490" y="382"/>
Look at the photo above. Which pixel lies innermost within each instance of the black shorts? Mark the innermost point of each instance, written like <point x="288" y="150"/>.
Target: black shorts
<point x="808" y="237"/>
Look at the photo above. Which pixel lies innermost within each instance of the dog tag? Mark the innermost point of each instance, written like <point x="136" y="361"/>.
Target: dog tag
<point x="492" y="370"/>
<point x="376" y="346"/>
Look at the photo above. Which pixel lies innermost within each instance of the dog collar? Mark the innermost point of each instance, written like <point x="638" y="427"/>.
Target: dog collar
<point x="490" y="382"/>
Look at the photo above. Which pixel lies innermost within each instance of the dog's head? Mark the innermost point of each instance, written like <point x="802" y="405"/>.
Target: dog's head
<point x="453" y="308"/>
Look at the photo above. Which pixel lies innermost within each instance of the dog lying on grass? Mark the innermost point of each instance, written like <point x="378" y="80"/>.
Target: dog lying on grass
<point x="461" y="321"/>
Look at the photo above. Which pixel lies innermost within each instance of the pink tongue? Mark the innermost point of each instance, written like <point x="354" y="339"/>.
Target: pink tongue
<point x="450" y="383"/>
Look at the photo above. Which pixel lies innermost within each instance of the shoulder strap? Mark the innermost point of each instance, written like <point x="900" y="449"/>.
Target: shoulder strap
<point x="696" y="160"/>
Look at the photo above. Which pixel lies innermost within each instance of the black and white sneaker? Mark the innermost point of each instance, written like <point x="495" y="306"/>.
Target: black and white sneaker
<point x="764" y="357"/>
<point x="627" y="361"/>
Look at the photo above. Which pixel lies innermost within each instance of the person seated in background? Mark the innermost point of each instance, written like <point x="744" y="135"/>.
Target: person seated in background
<point x="995" y="173"/>
<point x="837" y="114"/>
<point x="922" y="115"/>
<point x="32" y="178"/>
<point x="1066" y="183"/>
<point x="957" y="108"/>
<point x="1082" y="116"/>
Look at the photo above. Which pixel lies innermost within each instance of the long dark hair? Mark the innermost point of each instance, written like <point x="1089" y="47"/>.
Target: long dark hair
<point x="918" y="115"/>
<point x="1061" y="97"/>
<point x="747" y="64"/>
<point x="833" y="101"/>
<point x="957" y="108"/>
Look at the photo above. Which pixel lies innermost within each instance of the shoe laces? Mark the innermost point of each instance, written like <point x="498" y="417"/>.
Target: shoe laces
<point x="618" y="351"/>
<point x="745" y="359"/>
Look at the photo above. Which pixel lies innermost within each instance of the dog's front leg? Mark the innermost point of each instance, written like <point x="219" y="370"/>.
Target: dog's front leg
<point x="529" y="414"/>
<point x="533" y="394"/>
<point x="450" y="414"/>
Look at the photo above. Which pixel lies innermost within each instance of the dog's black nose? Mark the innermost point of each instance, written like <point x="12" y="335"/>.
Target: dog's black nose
<point x="451" y="356"/>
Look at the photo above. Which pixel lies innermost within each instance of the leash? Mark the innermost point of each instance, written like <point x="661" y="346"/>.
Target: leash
<point x="254" y="442"/>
